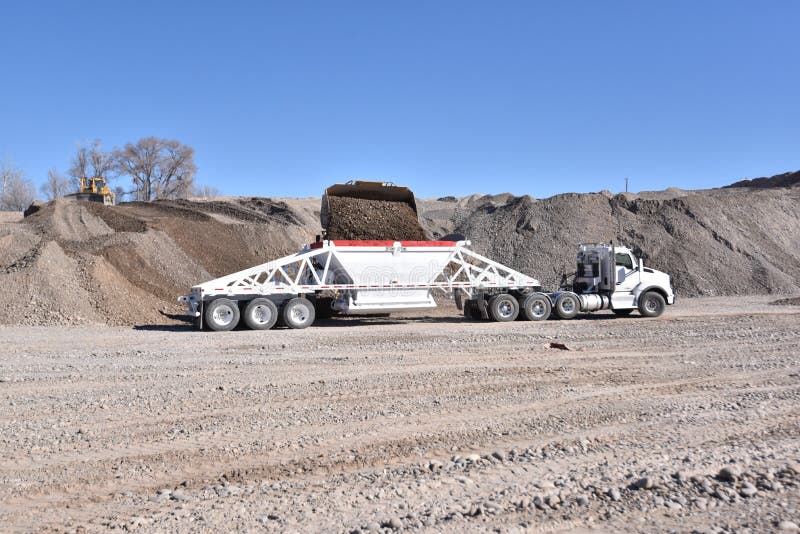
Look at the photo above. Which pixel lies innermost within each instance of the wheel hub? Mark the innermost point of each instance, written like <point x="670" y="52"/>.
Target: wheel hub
<point x="262" y="314"/>
<point x="223" y="315"/>
<point x="299" y="314"/>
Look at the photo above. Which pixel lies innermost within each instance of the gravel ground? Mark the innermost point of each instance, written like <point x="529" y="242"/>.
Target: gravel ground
<point x="686" y="422"/>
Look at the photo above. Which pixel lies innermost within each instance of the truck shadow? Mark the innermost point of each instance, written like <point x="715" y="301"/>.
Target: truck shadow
<point x="362" y="321"/>
<point x="185" y="323"/>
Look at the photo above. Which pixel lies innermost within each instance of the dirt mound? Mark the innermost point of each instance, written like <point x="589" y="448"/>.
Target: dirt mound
<point x="356" y="218"/>
<point x="720" y="242"/>
<point x="788" y="179"/>
<point x="85" y="263"/>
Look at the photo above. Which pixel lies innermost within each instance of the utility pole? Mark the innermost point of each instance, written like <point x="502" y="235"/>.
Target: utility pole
<point x="626" y="184"/>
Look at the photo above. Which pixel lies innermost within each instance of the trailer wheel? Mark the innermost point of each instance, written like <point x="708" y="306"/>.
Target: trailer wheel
<point x="503" y="307"/>
<point x="623" y="313"/>
<point x="651" y="304"/>
<point x="536" y="307"/>
<point x="260" y="314"/>
<point x="298" y="313"/>
<point x="221" y="314"/>
<point x="567" y="305"/>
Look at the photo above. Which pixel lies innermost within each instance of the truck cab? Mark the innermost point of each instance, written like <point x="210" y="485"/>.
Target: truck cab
<point x="612" y="277"/>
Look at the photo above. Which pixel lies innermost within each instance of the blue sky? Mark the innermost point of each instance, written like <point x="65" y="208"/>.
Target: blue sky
<point x="449" y="98"/>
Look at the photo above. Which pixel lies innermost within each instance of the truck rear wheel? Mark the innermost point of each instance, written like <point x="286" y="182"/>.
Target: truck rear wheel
<point x="503" y="307"/>
<point x="536" y="307"/>
<point x="651" y="304"/>
<point x="260" y="314"/>
<point x="298" y="313"/>
<point x="221" y="314"/>
<point x="567" y="305"/>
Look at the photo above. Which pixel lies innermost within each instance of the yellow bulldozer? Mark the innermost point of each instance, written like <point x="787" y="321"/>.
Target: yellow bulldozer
<point x="93" y="190"/>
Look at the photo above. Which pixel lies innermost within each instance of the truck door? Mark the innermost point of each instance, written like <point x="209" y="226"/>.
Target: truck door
<point x="627" y="279"/>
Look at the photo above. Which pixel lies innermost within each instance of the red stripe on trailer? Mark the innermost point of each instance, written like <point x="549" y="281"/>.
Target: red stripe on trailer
<point x="382" y="243"/>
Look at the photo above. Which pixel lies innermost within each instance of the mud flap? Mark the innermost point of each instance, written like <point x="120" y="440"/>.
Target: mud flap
<point x="457" y="298"/>
<point x="482" y="307"/>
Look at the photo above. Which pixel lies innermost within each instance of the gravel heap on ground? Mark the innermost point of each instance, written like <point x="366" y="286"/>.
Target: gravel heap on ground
<point x="83" y="263"/>
<point x="717" y="242"/>
<point x="356" y="218"/>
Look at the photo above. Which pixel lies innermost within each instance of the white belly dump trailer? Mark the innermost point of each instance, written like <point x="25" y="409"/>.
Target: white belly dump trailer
<point x="364" y="277"/>
<point x="369" y="277"/>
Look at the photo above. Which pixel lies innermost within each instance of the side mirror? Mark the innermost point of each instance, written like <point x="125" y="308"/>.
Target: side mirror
<point x="641" y="264"/>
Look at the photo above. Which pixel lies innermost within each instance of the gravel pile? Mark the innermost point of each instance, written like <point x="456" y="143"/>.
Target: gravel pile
<point x="718" y="242"/>
<point x="356" y="218"/>
<point x="85" y="263"/>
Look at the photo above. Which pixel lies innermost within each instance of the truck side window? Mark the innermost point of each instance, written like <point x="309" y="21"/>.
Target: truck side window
<point x="624" y="260"/>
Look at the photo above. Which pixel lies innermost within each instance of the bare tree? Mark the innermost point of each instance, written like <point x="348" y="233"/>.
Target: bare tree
<point x="91" y="161"/>
<point x="16" y="191"/>
<point x="159" y="168"/>
<point x="205" y="191"/>
<point x="120" y="193"/>
<point x="56" y="185"/>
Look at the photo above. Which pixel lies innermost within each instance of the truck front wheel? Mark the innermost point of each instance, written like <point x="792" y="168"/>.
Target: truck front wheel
<point x="651" y="304"/>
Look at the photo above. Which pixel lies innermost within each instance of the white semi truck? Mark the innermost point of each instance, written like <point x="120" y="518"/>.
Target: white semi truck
<point x="612" y="277"/>
<point x="368" y="277"/>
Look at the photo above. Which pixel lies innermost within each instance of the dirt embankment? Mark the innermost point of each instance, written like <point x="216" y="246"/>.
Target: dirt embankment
<point x="83" y="263"/>
<point x="718" y="242"/>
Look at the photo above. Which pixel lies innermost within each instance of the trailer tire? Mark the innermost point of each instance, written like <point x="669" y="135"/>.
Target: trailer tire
<point x="652" y="304"/>
<point x="503" y="308"/>
<point x="567" y="305"/>
<point x="536" y="307"/>
<point x="221" y="314"/>
<point x="298" y="313"/>
<point x="623" y="312"/>
<point x="260" y="314"/>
